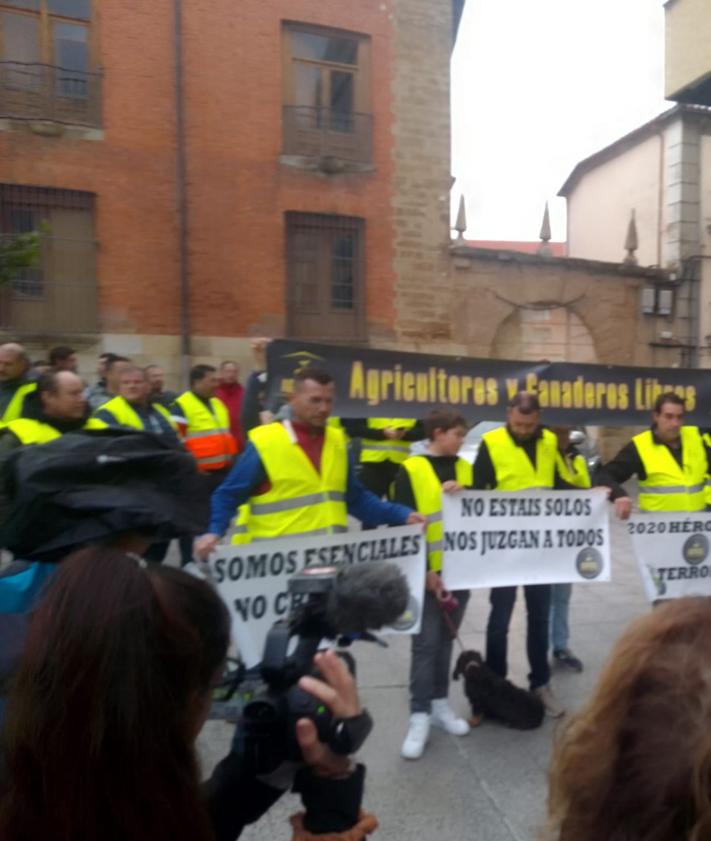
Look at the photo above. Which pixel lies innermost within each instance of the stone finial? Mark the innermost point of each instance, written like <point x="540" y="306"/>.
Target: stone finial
<point x="460" y="225"/>
<point x="631" y="241"/>
<point x="545" y="235"/>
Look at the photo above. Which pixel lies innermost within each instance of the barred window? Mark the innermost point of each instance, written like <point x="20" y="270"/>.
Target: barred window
<point x="325" y="268"/>
<point x="59" y="293"/>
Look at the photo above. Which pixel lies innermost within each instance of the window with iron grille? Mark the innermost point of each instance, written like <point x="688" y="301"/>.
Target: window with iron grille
<point x="325" y="267"/>
<point x="327" y="93"/>
<point x="46" y="61"/>
<point x="59" y="293"/>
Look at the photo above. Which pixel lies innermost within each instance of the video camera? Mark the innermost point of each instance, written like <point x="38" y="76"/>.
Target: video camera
<point x="337" y="603"/>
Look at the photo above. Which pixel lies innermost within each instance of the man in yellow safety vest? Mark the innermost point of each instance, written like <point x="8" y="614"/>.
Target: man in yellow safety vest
<point x="384" y="446"/>
<point x="204" y="423"/>
<point x="15" y="383"/>
<point x="671" y="462"/>
<point x="133" y="407"/>
<point x="521" y="455"/>
<point x="57" y="406"/>
<point x="296" y="478"/>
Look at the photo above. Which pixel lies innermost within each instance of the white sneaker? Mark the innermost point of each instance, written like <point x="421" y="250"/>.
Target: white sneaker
<point x="414" y="745"/>
<point x="444" y="716"/>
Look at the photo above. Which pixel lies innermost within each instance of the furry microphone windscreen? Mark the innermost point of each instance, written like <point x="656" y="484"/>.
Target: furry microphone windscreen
<point x="367" y="597"/>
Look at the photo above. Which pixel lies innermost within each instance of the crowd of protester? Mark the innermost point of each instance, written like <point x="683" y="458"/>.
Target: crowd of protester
<point x="109" y="664"/>
<point x="118" y="648"/>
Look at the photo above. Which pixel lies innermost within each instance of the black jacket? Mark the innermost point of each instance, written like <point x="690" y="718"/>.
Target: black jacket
<point x="87" y="486"/>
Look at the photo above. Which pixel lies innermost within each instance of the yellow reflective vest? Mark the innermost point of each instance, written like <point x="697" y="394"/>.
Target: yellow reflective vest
<point x="126" y="415"/>
<point x="427" y="490"/>
<point x="300" y="500"/>
<point x="17" y="403"/>
<point x="386" y="450"/>
<point x="207" y="432"/>
<point x="574" y="470"/>
<point x="707" y="490"/>
<point x="669" y="486"/>
<point x="513" y="468"/>
<point x="30" y="431"/>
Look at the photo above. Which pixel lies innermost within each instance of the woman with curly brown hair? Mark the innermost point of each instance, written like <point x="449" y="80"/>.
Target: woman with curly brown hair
<point x="635" y="763"/>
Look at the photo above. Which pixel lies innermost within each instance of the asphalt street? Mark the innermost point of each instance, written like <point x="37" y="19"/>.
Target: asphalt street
<point x="491" y="784"/>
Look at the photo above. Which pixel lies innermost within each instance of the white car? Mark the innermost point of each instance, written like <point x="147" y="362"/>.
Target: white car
<point x="579" y="436"/>
<point x="471" y="444"/>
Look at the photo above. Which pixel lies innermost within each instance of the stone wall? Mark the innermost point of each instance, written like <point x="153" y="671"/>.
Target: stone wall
<point x="421" y="131"/>
<point x="489" y="287"/>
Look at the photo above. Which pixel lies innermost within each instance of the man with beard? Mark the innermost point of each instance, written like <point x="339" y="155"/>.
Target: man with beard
<point x="515" y="457"/>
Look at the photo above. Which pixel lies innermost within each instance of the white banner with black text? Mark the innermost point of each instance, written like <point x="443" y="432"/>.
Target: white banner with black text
<point x="497" y="539"/>
<point x="672" y="551"/>
<point x="253" y="578"/>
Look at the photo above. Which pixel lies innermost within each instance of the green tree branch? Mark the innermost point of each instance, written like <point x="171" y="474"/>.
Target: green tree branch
<point x="18" y="251"/>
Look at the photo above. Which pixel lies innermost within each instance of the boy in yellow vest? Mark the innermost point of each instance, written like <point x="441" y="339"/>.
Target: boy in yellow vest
<point x="419" y="485"/>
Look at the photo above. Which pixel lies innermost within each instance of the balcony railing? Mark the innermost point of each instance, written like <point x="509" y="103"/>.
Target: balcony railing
<point x="31" y="91"/>
<point x="32" y="305"/>
<point x="326" y="132"/>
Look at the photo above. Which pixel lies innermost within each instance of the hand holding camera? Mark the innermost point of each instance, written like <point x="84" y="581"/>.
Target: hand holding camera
<point x="338" y="692"/>
<point x="299" y="697"/>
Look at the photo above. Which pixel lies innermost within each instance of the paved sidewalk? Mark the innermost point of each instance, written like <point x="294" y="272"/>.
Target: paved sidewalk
<point x="491" y="784"/>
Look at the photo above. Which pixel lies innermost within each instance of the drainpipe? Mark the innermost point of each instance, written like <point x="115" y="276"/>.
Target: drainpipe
<point x="660" y="198"/>
<point x="181" y="194"/>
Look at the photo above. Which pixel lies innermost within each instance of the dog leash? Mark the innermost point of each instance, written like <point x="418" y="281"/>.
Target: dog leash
<point x="450" y="625"/>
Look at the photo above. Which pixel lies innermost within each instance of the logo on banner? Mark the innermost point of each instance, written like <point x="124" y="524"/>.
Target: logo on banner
<point x="657" y="580"/>
<point x="695" y="549"/>
<point x="589" y="563"/>
<point x="300" y="359"/>
<point x="409" y="618"/>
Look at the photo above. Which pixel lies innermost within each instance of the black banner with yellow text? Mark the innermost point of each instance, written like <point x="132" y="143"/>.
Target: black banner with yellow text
<point x="384" y="383"/>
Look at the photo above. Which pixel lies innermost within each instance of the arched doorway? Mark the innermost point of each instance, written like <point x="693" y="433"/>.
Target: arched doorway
<point x="554" y="333"/>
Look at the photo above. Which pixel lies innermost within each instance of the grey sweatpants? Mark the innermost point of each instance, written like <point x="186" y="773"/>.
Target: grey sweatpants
<point x="430" y="665"/>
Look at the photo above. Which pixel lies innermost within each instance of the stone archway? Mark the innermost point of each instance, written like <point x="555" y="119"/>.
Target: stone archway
<point x="555" y="333"/>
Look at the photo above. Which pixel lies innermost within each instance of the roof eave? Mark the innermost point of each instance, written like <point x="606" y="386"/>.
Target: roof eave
<point x="629" y="139"/>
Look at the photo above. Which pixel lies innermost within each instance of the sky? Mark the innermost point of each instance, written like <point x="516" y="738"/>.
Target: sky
<point x="538" y="85"/>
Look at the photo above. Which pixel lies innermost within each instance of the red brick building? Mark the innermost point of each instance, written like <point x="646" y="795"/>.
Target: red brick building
<point x="211" y="170"/>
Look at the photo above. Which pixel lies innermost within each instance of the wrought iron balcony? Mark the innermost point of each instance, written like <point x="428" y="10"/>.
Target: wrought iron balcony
<point x="326" y="132"/>
<point x="43" y="92"/>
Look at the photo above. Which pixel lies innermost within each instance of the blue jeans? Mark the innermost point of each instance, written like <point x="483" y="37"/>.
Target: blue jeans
<point x="560" y="607"/>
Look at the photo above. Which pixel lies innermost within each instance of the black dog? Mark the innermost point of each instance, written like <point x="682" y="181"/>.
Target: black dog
<point x="496" y="697"/>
